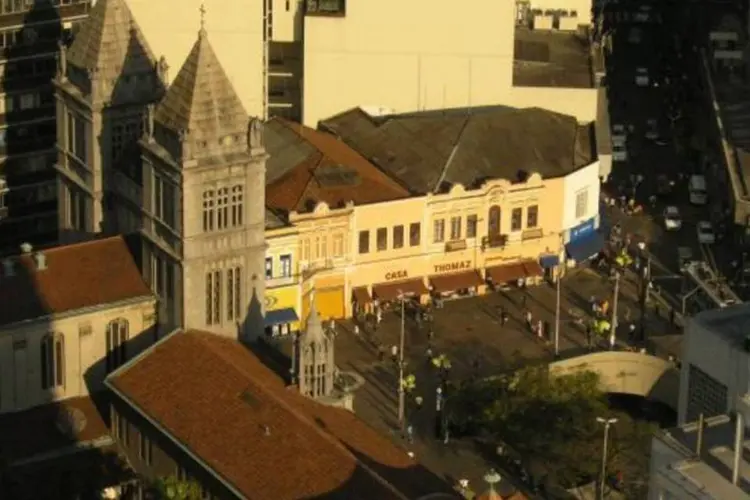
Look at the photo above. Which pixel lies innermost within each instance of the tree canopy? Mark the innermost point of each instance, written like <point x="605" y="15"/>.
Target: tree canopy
<point x="549" y="422"/>
<point x="172" y="488"/>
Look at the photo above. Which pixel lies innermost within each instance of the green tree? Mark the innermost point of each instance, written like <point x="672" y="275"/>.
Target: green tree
<point x="172" y="488"/>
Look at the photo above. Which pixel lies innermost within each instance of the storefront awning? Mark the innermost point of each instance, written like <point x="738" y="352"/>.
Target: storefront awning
<point x="391" y="291"/>
<point x="549" y="261"/>
<point x="532" y="268"/>
<point x="281" y="316"/>
<point x="455" y="281"/>
<point x="506" y="273"/>
<point x="361" y="295"/>
<point x="586" y="247"/>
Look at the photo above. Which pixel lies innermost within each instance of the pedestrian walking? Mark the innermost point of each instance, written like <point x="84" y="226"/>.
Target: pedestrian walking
<point x="589" y="335"/>
<point x="523" y="298"/>
<point x="631" y="333"/>
<point x="356" y="330"/>
<point x="410" y="433"/>
<point x="418" y="402"/>
<point x="540" y="329"/>
<point x="503" y="318"/>
<point x="394" y="352"/>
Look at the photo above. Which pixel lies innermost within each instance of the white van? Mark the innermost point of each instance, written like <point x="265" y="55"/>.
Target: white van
<point x="697" y="187"/>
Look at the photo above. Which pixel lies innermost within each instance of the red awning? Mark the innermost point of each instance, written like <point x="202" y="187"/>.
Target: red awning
<point x="455" y="281"/>
<point x="507" y="273"/>
<point x="391" y="291"/>
<point x="361" y="295"/>
<point x="533" y="268"/>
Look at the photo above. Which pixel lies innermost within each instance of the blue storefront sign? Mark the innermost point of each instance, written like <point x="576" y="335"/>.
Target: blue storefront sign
<point x="582" y="230"/>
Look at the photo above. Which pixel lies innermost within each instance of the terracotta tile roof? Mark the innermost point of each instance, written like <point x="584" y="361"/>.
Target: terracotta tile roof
<point x="39" y="430"/>
<point x="214" y="396"/>
<point x="329" y="171"/>
<point x="77" y="276"/>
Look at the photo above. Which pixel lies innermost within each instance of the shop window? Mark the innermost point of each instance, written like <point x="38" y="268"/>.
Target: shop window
<point x="582" y="203"/>
<point x="398" y="236"/>
<point x="364" y="241"/>
<point x="471" y="226"/>
<point x="455" y="228"/>
<point x="516" y="219"/>
<point x="382" y="239"/>
<point x="269" y="268"/>
<point x="415" y="234"/>
<point x="493" y="221"/>
<point x="438" y="231"/>
<point x="286" y="265"/>
<point x="532" y="216"/>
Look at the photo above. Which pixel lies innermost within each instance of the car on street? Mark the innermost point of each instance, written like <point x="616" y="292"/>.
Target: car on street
<point x="684" y="256"/>
<point x="706" y="235"/>
<point x="672" y="218"/>
<point x="652" y="129"/>
<point x="619" y="152"/>
<point x="619" y="135"/>
<point x="641" y="77"/>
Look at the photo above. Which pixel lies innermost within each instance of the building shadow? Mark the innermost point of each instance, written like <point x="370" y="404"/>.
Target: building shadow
<point x="28" y="139"/>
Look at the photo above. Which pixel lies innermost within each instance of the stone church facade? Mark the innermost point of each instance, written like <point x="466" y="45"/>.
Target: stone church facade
<point x="179" y="163"/>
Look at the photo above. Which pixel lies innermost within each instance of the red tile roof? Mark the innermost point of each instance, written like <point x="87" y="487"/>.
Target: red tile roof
<point x="301" y="185"/>
<point x="77" y="276"/>
<point x="40" y="430"/>
<point x="216" y="398"/>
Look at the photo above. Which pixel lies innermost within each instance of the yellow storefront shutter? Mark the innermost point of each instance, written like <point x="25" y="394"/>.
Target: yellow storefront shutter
<point x="330" y="303"/>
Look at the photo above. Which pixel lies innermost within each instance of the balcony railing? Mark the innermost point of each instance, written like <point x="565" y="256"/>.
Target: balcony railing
<point x="325" y="7"/>
<point x="310" y="268"/>
<point x="278" y="281"/>
<point x="494" y="241"/>
<point x="455" y="245"/>
<point x="532" y="234"/>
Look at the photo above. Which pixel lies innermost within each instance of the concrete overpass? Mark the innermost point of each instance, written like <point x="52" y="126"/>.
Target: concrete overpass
<point x="629" y="373"/>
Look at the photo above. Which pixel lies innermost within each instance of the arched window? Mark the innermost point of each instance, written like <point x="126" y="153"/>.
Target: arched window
<point x="52" y="352"/>
<point x="117" y="340"/>
<point x="493" y="221"/>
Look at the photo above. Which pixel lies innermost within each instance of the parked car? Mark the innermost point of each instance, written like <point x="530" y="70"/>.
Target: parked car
<point x="684" y="256"/>
<point x="619" y="135"/>
<point x="619" y="153"/>
<point x="706" y="235"/>
<point x="641" y="77"/>
<point x="672" y="218"/>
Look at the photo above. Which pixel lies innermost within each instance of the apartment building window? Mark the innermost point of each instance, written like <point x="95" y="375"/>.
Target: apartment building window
<point x="123" y="133"/>
<point x="582" y="203"/>
<point x="532" y="216"/>
<point x="493" y="221"/>
<point x="222" y="208"/>
<point x="234" y="293"/>
<point x="286" y="265"/>
<point x="213" y="297"/>
<point x="209" y="211"/>
<point x="316" y="249"/>
<point x="338" y="245"/>
<point x="516" y="219"/>
<point x="164" y="201"/>
<point x="415" y="234"/>
<point x="145" y="449"/>
<point x="438" y="231"/>
<point x="382" y="239"/>
<point x="305" y="249"/>
<point x="324" y="247"/>
<point x="77" y="137"/>
<point x="53" y="361"/>
<point x="398" y="236"/>
<point x="471" y="226"/>
<point x="364" y="241"/>
<point x="122" y="429"/>
<point x="269" y="268"/>
<point x="117" y="340"/>
<point x="455" y="228"/>
<point x="237" y="205"/>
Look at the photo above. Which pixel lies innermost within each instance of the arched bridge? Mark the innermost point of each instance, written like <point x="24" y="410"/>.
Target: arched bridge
<point x="629" y="373"/>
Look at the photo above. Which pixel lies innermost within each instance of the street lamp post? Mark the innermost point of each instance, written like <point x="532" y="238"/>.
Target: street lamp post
<point x="492" y="478"/>
<point x="615" y="300"/>
<point x="607" y="422"/>
<point x="557" y="312"/>
<point x="401" y="388"/>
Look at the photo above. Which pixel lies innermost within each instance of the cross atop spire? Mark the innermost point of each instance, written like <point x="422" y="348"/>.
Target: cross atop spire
<point x="202" y="10"/>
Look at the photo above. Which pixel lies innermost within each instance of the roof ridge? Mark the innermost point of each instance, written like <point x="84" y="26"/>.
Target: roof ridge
<point x="79" y="244"/>
<point x="298" y="415"/>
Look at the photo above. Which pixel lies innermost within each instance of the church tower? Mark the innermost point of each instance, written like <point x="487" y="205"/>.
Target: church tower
<point x="203" y="168"/>
<point x="314" y="358"/>
<point x="104" y="82"/>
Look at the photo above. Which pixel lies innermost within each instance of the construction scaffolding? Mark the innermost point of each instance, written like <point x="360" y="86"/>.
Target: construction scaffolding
<point x="710" y="285"/>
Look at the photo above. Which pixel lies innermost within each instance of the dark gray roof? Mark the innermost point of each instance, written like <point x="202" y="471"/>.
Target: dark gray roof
<point x="552" y="59"/>
<point x="286" y="149"/>
<point x="273" y="220"/>
<point x="492" y="142"/>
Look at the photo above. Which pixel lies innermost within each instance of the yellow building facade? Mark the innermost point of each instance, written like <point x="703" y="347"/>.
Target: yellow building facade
<point x="439" y="245"/>
<point x="282" y="299"/>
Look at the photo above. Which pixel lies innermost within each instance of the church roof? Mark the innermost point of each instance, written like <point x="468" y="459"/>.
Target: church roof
<point x="201" y="100"/>
<point x="111" y="42"/>
<point x="214" y="396"/>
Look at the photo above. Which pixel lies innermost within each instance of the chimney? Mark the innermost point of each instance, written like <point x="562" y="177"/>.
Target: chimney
<point x="26" y="248"/>
<point x="8" y="269"/>
<point x="41" y="261"/>
<point x="699" y="441"/>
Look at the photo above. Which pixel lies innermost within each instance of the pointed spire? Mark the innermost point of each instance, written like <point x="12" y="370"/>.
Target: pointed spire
<point x="202" y="31"/>
<point x="202" y="103"/>
<point x="314" y="332"/>
<point x="110" y="43"/>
